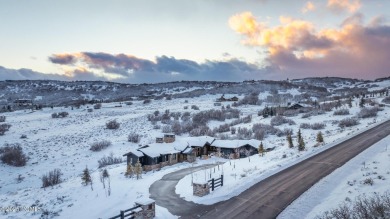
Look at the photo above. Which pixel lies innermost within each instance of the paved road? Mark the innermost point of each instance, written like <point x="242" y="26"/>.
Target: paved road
<point x="163" y="192"/>
<point x="268" y="198"/>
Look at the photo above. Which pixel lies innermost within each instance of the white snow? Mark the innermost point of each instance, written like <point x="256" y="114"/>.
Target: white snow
<point x="64" y="143"/>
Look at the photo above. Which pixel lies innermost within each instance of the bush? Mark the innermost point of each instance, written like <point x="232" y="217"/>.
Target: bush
<point x="317" y="126"/>
<point x="375" y="206"/>
<point x="59" y="115"/>
<point x="109" y="160"/>
<point x="223" y="128"/>
<point x="386" y="100"/>
<point x="147" y="101"/>
<point x="341" y="112"/>
<point x="368" y="181"/>
<point x="279" y="120"/>
<point x="368" y="112"/>
<point x="97" y="106"/>
<point x="129" y="103"/>
<point x="244" y="133"/>
<point x="166" y="129"/>
<point x="98" y="146"/>
<point x="113" y="124"/>
<point x="2" y="118"/>
<point x="134" y="137"/>
<point x="12" y="154"/>
<point x="267" y="129"/>
<point x="348" y="122"/>
<point x="194" y="107"/>
<point x="291" y="113"/>
<point x="52" y="178"/>
<point x="304" y="126"/>
<point x="4" y="128"/>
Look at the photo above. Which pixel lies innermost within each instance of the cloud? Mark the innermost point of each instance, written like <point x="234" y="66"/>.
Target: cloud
<point x="339" y="6"/>
<point x="62" y="59"/>
<point x="298" y="48"/>
<point x="309" y="6"/>
<point x="129" y="68"/>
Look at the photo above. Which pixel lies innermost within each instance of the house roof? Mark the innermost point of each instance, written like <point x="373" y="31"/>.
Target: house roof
<point x="235" y="143"/>
<point x="135" y="152"/>
<point x="157" y="149"/>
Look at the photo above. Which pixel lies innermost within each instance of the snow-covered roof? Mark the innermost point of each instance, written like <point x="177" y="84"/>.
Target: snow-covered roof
<point x="157" y="149"/>
<point x="144" y="201"/>
<point x="135" y="152"/>
<point x="235" y="143"/>
<point x="188" y="150"/>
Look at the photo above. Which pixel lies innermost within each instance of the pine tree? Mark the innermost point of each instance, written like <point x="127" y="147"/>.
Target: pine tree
<point x="350" y="102"/>
<point x="261" y="149"/>
<point x="362" y="102"/>
<point x="86" y="177"/>
<point x="138" y="170"/>
<point x="320" y="138"/>
<point x="290" y="141"/>
<point x="301" y="143"/>
<point x="129" y="171"/>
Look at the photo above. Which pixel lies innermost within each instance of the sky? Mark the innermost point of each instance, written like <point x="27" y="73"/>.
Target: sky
<point x="148" y="41"/>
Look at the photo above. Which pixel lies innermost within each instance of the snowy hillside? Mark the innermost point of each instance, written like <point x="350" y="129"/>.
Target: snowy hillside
<point x="64" y="143"/>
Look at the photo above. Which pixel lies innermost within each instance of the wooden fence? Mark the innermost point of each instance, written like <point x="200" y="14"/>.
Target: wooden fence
<point x="214" y="183"/>
<point x="123" y="214"/>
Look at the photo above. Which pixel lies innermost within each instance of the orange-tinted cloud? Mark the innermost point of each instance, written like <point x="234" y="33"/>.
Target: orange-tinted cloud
<point x="298" y="47"/>
<point x="309" y="6"/>
<point x="344" y="5"/>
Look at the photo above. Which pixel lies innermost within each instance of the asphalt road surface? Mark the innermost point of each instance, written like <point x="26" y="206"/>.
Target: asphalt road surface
<point x="268" y="198"/>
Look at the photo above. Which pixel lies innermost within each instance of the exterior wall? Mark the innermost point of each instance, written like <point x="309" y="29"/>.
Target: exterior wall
<point x="169" y="139"/>
<point x="148" y="211"/>
<point x="200" y="190"/>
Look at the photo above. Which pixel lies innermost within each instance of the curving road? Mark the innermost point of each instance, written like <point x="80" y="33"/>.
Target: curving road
<point x="268" y="198"/>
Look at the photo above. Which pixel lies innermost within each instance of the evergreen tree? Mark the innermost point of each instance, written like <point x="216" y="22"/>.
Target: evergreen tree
<point x="86" y="177"/>
<point x="129" y="171"/>
<point x="301" y="143"/>
<point x="320" y="138"/>
<point x="350" y="102"/>
<point x="138" y="170"/>
<point x="290" y="141"/>
<point x="362" y="102"/>
<point x="261" y="149"/>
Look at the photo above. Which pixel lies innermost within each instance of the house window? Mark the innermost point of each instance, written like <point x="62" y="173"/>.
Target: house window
<point x="150" y="207"/>
<point x="173" y="156"/>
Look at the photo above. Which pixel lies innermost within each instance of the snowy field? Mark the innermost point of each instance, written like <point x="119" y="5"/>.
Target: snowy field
<point x="64" y="143"/>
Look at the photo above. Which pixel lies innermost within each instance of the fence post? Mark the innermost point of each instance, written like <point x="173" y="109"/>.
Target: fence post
<point x="122" y="214"/>
<point x="212" y="184"/>
<point x="221" y="180"/>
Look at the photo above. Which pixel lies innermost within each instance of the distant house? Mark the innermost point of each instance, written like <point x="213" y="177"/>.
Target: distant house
<point x="223" y="99"/>
<point x="168" y="138"/>
<point x="298" y="106"/>
<point x="23" y="102"/>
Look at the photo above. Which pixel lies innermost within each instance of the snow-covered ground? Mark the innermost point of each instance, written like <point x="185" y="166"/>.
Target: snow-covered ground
<point x="345" y="183"/>
<point x="64" y="143"/>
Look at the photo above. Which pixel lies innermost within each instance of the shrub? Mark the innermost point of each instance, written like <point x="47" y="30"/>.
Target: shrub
<point x="267" y="129"/>
<point x="166" y="129"/>
<point x="386" y="100"/>
<point x="368" y="181"/>
<point x="223" y="128"/>
<point x="4" y="128"/>
<point x="134" y="137"/>
<point x="259" y="134"/>
<point x="52" y="178"/>
<point x="341" y="112"/>
<point x="290" y="113"/>
<point x="12" y="154"/>
<point x="368" y="112"/>
<point x="176" y="128"/>
<point x="348" y="122"/>
<point x="129" y="103"/>
<point x="113" y="124"/>
<point x="2" y="118"/>
<point x="200" y="131"/>
<point x="304" y="126"/>
<point x="244" y="133"/>
<point x="59" y="115"/>
<point x="317" y="126"/>
<point x="194" y="107"/>
<point x="98" y="146"/>
<point x="375" y="206"/>
<point x="109" y="160"/>
<point x="279" y="120"/>
<point x="147" y="101"/>
<point x="251" y="99"/>
<point x="97" y="106"/>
